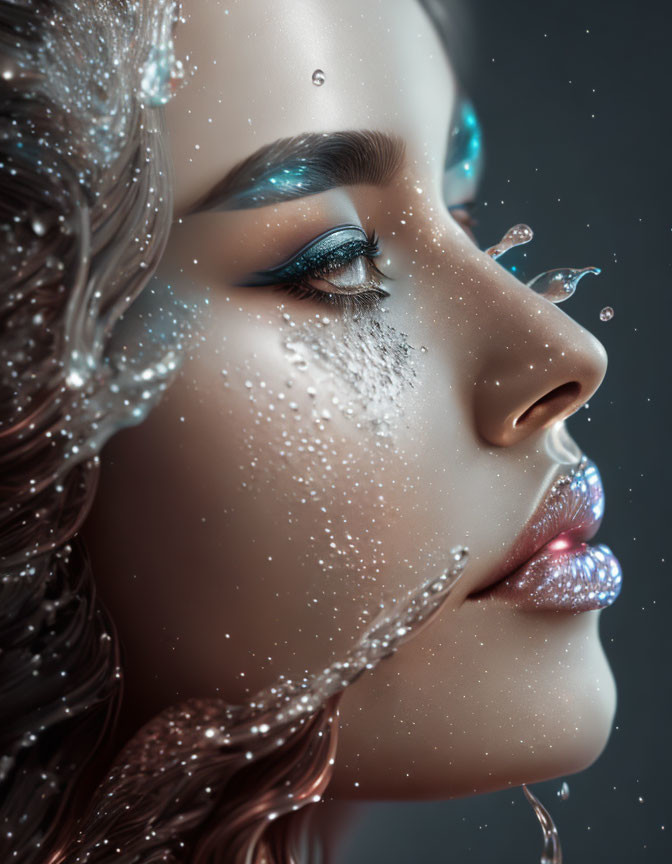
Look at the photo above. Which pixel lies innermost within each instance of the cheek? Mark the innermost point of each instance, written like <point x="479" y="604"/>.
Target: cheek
<point x="303" y="466"/>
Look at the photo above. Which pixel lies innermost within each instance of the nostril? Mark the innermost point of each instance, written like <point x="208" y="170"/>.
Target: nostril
<point x="551" y="406"/>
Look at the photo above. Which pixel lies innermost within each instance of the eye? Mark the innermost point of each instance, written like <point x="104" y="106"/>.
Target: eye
<point x="337" y="267"/>
<point x="464" y="166"/>
<point x="463" y="214"/>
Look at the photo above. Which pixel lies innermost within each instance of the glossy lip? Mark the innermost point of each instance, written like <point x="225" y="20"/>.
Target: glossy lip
<point x="551" y="566"/>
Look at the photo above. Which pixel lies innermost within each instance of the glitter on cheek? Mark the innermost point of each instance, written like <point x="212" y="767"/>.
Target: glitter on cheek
<point x="326" y="421"/>
<point x="369" y="363"/>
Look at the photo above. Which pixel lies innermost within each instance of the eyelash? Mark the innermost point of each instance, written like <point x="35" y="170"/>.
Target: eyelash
<point x="303" y="289"/>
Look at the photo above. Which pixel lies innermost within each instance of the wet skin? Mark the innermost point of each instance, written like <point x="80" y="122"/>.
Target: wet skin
<point x="236" y="537"/>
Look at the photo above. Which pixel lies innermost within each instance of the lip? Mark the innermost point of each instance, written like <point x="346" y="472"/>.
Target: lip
<point x="551" y="566"/>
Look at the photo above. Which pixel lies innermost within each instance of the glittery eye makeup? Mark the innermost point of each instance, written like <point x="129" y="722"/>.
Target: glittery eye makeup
<point x="464" y="161"/>
<point x="335" y="267"/>
<point x="464" y="165"/>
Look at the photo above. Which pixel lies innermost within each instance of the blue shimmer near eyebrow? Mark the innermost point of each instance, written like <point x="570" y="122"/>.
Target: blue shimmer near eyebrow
<point x="338" y="246"/>
<point x="291" y="168"/>
<point x="279" y="185"/>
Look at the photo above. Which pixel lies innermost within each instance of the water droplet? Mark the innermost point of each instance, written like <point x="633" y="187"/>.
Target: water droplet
<point x="551" y="852"/>
<point x="39" y="226"/>
<point x="606" y="314"/>
<point x="559" y="285"/>
<point x="319" y="78"/>
<point x="563" y="791"/>
<point x="516" y="236"/>
<point x="161" y="75"/>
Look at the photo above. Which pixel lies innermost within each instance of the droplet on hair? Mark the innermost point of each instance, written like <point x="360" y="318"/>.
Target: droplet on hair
<point x="39" y="226"/>
<point x="161" y="75"/>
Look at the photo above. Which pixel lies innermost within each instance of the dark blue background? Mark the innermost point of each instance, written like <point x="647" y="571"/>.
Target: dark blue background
<point x="575" y="101"/>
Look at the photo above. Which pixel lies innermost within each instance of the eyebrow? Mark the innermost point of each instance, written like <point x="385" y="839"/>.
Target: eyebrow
<point x="295" y="167"/>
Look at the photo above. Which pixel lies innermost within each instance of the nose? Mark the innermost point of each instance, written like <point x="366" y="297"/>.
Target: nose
<point x="537" y="366"/>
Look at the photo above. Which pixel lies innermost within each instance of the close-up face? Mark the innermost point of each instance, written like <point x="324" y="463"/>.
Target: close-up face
<point x="365" y="390"/>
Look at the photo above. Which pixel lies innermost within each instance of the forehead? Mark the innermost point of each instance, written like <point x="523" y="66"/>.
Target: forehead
<point x="253" y="61"/>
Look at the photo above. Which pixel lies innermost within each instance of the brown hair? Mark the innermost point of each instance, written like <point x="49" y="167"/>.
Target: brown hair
<point x="85" y="210"/>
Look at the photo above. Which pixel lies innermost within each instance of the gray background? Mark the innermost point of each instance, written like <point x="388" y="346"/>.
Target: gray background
<point x="577" y="133"/>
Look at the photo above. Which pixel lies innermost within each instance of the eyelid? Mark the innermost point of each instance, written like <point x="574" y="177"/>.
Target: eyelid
<point x="300" y="260"/>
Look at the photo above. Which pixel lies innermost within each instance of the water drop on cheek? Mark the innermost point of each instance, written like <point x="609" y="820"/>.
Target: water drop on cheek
<point x="319" y="78"/>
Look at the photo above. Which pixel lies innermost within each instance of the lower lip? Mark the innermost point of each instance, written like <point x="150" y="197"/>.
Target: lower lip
<point x="563" y="576"/>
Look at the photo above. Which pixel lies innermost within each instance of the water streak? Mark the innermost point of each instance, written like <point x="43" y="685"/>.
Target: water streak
<point x="551" y="852"/>
<point x="202" y="738"/>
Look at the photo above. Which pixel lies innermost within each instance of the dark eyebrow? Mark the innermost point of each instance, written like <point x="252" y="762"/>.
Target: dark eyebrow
<point x="304" y="165"/>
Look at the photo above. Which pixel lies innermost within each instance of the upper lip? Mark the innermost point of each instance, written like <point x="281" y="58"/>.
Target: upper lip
<point x="573" y="504"/>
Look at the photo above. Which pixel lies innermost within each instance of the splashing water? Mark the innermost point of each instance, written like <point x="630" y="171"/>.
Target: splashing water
<point x="202" y="733"/>
<point x="559" y="285"/>
<point x="555" y="286"/>
<point x="161" y="75"/>
<point x="92" y="172"/>
<point x="607" y="313"/>
<point x="552" y="851"/>
<point x="516" y="236"/>
<point x="563" y="791"/>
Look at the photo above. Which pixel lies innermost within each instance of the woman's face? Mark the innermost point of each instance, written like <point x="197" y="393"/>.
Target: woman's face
<point x="325" y="446"/>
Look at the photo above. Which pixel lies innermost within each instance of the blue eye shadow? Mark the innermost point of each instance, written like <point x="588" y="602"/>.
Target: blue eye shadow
<point x="334" y="248"/>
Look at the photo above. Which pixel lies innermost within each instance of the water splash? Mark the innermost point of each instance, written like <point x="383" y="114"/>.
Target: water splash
<point x="85" y="211"/>
<point x="607" y="313"/>
<point x="559" y="285"/>
<point x="162" y="73"/>
<point x="556" y="286"/>
<point x="551" y="852"/>
<point x="516" y="236"/>
<point x="201" y="734"/>
<point x="563" y="791"/>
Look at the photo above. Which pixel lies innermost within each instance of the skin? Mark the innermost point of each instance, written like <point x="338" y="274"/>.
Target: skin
<point x="209" y="549"/>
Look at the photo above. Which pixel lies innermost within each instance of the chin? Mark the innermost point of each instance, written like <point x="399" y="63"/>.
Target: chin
<point x="552" y="722"/>
<point x="582" y="723"/>
<point x="567" y="732"/>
